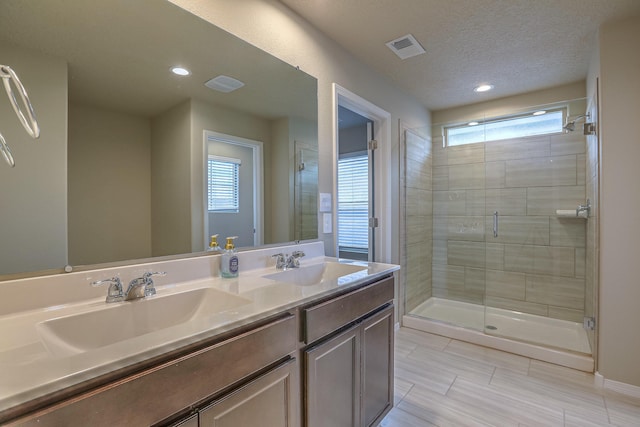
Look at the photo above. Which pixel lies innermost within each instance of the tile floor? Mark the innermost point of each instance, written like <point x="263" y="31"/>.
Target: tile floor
<point x="444" y="382"/>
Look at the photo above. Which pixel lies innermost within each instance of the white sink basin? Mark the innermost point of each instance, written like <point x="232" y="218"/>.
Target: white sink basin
<point x="318" y="273"/>
<point x="64" y="336"/>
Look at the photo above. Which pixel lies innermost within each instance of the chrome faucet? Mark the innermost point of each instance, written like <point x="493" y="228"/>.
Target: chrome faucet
<point x="286" y="261"/>
<point x="142" y="287"/>
<point x="115" y="293"/>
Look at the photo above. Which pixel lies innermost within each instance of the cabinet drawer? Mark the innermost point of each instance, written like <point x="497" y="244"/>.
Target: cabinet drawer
<point x="157" y="393"/>
<point x="324" y="318"/>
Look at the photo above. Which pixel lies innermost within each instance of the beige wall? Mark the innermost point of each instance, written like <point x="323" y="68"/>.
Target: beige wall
<point x="109" y="186"/>
<point x="299" y="44"/>
<point x="34" y="224"/>
<point x="513" y="104"/>
<point x="619" y="70"/>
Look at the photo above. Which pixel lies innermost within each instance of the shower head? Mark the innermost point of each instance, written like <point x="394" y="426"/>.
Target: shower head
<point x="571" y="126"/>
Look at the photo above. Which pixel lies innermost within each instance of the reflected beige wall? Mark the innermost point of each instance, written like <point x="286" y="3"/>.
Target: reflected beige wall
<point x="109" y="186"/>
<point x="34" y="224"/>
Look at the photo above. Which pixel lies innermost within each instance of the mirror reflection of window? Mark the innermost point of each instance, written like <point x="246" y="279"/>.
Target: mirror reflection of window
<point x="223" y="191"/>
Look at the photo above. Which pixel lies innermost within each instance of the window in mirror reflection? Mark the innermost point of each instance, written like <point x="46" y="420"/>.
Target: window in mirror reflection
<point x="223" y="189"/>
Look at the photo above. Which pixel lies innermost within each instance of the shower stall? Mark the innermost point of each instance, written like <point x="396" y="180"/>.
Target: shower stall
<point x="500" y="231"/>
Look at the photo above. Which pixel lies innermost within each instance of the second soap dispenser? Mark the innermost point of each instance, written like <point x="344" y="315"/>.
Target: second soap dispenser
<point x="213" y="245"/>
<point x="229" y="259"/>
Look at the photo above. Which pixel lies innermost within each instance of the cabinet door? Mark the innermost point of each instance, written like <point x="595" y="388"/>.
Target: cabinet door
<point x="377" y="366"/>
<point x="332" y="381"/>
<point x="269" y="400"/>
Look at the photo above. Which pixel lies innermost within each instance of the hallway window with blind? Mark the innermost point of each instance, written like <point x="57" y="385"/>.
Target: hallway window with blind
<point x="223" y="184"/>
<point x="353" y="204"/>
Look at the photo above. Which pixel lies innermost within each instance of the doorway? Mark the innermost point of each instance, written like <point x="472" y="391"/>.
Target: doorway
<point x="362" y="156"/>
<point x="233" y="189"/>
<point x="356" y="184"/>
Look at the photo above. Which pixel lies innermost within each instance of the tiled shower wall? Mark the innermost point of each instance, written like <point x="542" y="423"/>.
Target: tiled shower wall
<point x="417" y="204"/>
<point x="536" y="264"/>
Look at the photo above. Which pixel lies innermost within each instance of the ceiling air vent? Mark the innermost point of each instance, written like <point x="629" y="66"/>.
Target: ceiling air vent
<point x="224" y="84"/>
<point x="406" y="47"/>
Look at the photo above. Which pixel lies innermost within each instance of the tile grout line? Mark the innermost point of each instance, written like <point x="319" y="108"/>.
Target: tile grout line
<point x="606" y="407"/>
<point x="495" y="368"/>
<point x="451" y="385"/>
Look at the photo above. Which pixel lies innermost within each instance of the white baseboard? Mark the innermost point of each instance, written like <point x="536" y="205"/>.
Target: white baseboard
<point x="598" y="379"/>
<point x="623" y="388"/>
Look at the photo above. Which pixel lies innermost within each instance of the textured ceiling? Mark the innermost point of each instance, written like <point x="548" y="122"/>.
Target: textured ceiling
<point x="516" y="45"/>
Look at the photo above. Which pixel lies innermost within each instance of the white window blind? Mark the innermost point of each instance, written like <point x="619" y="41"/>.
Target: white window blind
<point x="223" y="184"/>
<point x="505" y="128"/>
<point x="353" y="203"/>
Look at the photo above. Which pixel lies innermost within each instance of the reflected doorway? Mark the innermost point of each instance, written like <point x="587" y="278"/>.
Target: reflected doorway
<point x="233" y="189"/>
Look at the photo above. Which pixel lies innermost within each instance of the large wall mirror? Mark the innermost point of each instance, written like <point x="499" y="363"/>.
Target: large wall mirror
<point x="121" y="170"/>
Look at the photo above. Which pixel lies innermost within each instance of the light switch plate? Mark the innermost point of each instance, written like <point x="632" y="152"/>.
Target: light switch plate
<point x="325" y="202"/>
<point x="326" y="223"/>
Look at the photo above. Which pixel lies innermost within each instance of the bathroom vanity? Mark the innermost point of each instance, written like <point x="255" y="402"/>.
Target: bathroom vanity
<point x="311" y="346"/>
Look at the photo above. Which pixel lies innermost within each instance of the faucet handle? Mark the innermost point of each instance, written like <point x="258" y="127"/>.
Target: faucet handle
<point x="149" y="288"/>
<point x="150" y="274"/>
<point x="297" y="254"/>
<point x="115" y="292"/>
<point x="280" y="260"/>
<point x="294" y="260"/>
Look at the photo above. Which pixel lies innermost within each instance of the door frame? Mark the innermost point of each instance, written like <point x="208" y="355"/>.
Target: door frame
<point x="382" y="160"/>
<point x="258" y="180"/>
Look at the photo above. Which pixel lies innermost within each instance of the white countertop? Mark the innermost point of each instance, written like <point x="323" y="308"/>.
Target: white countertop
<point x="28" y="370"/>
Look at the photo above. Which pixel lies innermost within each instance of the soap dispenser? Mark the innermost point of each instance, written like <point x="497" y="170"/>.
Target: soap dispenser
<point x="213" y="245"/>
<point x="229" y="259"/>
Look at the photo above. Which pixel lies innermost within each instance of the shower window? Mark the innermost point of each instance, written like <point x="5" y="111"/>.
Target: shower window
<point x="505" y="128"/>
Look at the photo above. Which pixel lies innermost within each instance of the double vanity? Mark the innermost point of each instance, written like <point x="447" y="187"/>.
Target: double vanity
<point x="309" y="346"/>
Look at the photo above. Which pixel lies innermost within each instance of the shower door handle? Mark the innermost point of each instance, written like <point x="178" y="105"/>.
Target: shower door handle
<point x="495" y="224"/>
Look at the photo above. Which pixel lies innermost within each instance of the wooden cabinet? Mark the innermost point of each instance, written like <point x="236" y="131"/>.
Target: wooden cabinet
<point x="332" y="381"/>
<point x="377" y="336"/>
<point x="265" y="401"/>
<point x="348" y="375"/>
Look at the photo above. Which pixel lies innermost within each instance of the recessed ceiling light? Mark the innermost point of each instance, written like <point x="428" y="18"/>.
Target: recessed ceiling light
<point x="180" y="71"/>
<point x="483" y="88"/>
<point x="539" y="113"/>
<point x="473" y="123"/>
